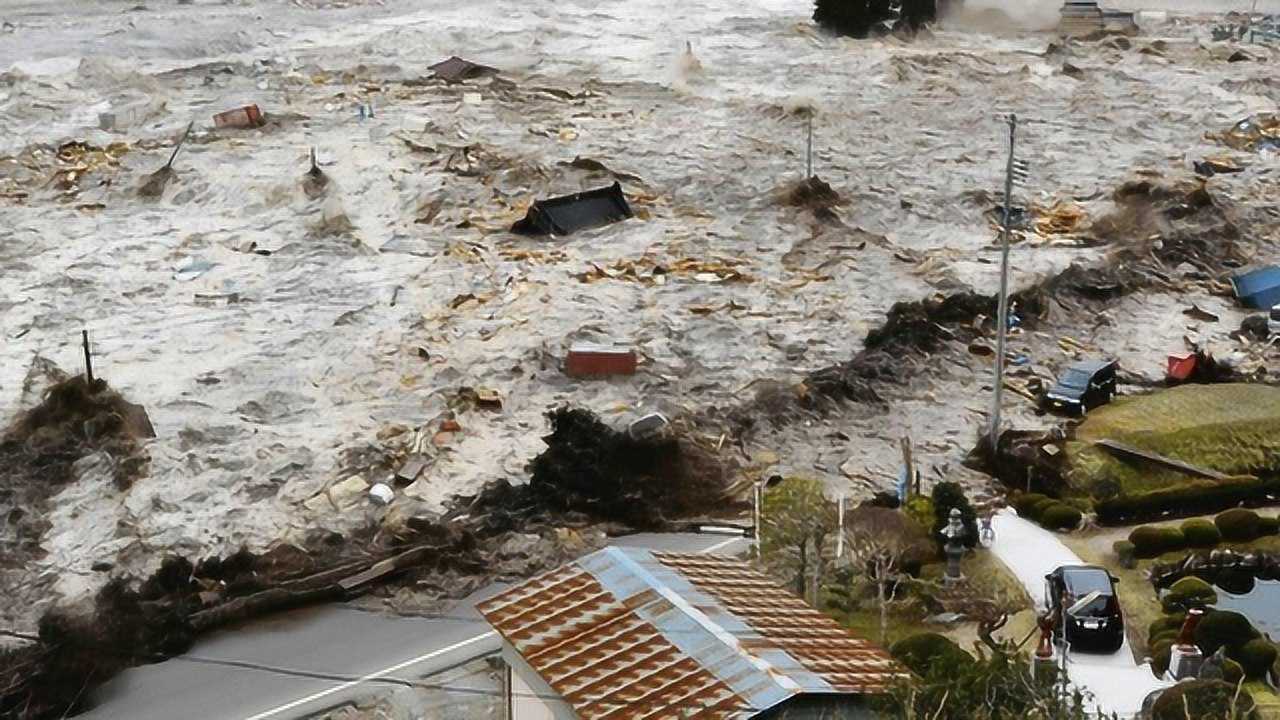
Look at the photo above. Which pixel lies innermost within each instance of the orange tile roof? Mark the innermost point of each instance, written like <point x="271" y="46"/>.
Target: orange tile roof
<point x="626" y="633"/>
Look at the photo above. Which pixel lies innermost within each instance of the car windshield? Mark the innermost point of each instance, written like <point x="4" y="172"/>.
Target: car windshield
<point x="1075" y="378"/>
<point x="1084" y="581"/>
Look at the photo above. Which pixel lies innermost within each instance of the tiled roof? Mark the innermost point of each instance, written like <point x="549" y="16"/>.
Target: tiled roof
<point x="625" y="633"/>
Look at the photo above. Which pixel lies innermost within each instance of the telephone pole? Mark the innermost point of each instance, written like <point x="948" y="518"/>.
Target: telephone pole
<point x="1002" y="320"/>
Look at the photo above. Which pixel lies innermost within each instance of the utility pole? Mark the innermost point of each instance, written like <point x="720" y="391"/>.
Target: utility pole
<point x="88" y="361"/>
<point x="809" y="152"/>
<point x="1002" y="321"/>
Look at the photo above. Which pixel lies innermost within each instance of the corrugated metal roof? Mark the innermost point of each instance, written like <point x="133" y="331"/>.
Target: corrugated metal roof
<point x="625" y="633"/>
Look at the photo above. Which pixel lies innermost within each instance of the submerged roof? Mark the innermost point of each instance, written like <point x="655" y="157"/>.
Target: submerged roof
<point x="455" y="69"/>
<point x="570" y="213"/>
<point x="629" y="633"/>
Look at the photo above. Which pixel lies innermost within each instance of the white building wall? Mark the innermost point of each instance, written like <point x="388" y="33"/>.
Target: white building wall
<point x="530" y="697"/>
<point x="525" y="701"/>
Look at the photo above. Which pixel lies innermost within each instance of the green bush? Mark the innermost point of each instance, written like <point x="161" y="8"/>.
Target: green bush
<point x="948" y="495"/>
<point x="1203" y="699"/>
<point x="1061" y="517"/>
<point x="1237" y="525"/>
<point x="1201" y="533"/>
<point x="1165" y="623"/>
<point x="1232" y="671"/>
<point x="925" y="650"/>
<point x="1039" y="509"/>
<point x="1161" y="653"/>
<point x="1182" y="501"/>
<point x="1170" y="635"/>
<point x="1148" y="541"/>
<point x="1124" y="553"/>
<point x="1268" y="525"/>
<point x="1256" y="657"/>
<point x="1187" y="593"/>
<point x="1220" y="628"/>
<point x="1026" y="501"/>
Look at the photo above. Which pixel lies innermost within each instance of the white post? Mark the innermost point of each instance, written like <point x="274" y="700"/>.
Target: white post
<point x="1002" y="319"/>
<point x="840" y="526"/>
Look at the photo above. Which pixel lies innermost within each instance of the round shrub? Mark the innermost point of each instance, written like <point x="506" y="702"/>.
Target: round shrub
<point x="1061" y="517"/>
<point x="1232" y="671"/>
<point x="1165" y="623"/>
<point x="1040" y="508"/>
<point x="1161" y="653"/>
<point x="1173" y="539"/>
<point x="1268" y="525"/>
<point x="1147" y="541"/>
<point x="1201" y="533"/>
<point x="1256" y="657"/>
<point x="1163" y="635"/>
<point x="1202" y="699"/>
<point x="1237" y="525"/>
<point x="1220" y="628"/>
<point x="920" y="652"/>
<point x="1124" y="552"/>
<point x="1187" y="593"/>
<point x="1026" y="501"/>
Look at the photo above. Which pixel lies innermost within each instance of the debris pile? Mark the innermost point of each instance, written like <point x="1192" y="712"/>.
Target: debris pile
<point x="39" y="450"/>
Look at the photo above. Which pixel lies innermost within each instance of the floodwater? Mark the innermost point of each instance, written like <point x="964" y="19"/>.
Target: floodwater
<point x="267" y="375"/>
<point x="1261" y="605"/>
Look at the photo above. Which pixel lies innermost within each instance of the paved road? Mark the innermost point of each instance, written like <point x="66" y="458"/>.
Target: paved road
<point x="213" y="681"/>
<point x="1118" y="683"/>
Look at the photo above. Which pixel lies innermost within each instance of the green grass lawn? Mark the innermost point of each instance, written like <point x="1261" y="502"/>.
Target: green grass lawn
<point x="1231" y="428"/>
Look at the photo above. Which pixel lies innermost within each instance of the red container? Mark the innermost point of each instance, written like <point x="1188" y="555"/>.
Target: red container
<point x="599" y="361"/>
<point x="248" y="116"/>
<point x="1181" y="366"/>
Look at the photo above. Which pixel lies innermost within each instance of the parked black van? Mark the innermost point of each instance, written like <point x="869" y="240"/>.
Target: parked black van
<point x="1083" y="387"/>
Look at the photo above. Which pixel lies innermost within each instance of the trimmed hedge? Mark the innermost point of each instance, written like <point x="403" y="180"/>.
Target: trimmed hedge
<point x="1061" y="517"/>
<point x="1201" y="533"/>
<point x="922" y="651"/>
<point x="1184" y="501"/>
<point x="1232" y="671"/>
<point x="1124" y="552"/>
<point x="1039" y="509"/>
<point x="1237" y="525"/>
<point x="1025" y="503"/>
<point x="1187" y="593"/>
<point x="1256" y="657"/>
<point x="1203" y="699"/>
<point x="1268" y="525"/>
<point x="1165" y="623"/>
<point x="1220" y="628"/>
<point x="1149" y="541"/>
<point x="1161" y="654"/>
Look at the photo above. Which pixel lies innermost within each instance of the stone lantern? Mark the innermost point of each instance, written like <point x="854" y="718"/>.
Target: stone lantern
<point x="954" y="548"/>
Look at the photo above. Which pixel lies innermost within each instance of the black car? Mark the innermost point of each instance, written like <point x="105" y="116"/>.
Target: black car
<point x="1083" y="602"/>
<point x="1083" y="386"/>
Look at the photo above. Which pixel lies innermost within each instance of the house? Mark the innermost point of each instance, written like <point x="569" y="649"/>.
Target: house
<point x="633" y="633"/>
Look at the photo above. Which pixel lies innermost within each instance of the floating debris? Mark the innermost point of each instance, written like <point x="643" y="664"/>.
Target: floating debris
<point x="571" y="213"/>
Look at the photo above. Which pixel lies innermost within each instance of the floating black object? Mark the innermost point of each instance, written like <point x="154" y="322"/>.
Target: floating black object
<point x="571" y="213"/>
